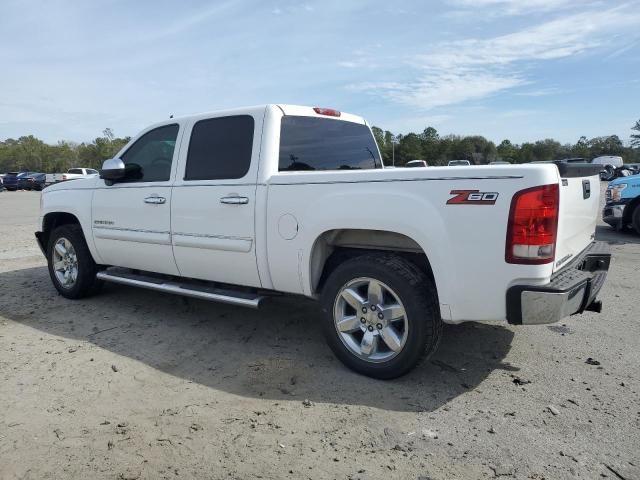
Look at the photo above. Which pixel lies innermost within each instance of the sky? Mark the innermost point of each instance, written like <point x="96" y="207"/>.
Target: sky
<point x="517" y="69"/>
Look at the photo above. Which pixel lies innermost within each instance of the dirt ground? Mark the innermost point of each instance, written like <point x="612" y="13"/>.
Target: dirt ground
<point x="135" y="384"/>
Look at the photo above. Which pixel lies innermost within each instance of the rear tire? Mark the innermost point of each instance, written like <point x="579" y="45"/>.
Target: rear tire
<point x="380" y="346"/>
<point x="71" y="266"/>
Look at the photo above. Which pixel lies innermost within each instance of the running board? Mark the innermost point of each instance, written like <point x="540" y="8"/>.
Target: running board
<point x="204" y="292"/>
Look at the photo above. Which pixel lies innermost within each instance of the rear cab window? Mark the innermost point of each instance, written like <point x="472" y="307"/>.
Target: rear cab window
<point x="310" y="144"/>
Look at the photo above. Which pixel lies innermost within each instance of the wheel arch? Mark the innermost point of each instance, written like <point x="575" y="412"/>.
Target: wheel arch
<point x="629" y="209"/>
<point x="53" y="220"/>
<point x="334" y="246"/>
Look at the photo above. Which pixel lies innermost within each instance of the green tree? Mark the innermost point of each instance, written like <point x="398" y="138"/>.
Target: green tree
<point x="507" y="151"/>
<point x="611" y="145"/>
<point x="635" y="137"/>
<point x="409" y="148"/>
<point x="581" y="148"/>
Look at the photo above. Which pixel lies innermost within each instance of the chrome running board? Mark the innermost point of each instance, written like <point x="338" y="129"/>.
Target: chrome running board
<point x="186" y="288"/>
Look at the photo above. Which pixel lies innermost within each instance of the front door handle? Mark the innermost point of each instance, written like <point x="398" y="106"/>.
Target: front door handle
<point x="235" y="200"/>
<point x="155" y="200"/>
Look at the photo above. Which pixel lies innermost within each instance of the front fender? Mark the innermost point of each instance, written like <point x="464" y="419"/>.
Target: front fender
<point x="76" y="202"/>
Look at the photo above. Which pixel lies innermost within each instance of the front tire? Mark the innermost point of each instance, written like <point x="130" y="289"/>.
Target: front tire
<point x="381" y="315"/>
<point x="635" y="219"/>
<point x="71" y="266"/>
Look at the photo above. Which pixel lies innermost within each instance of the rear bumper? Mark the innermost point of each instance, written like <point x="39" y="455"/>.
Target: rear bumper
<point x="571" y="290"/>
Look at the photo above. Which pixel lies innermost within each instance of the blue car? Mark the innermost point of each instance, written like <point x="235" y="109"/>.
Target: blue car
<point x="623" y="203"/>
<point x="11" y="180"/>
<point x="32" y="181"/>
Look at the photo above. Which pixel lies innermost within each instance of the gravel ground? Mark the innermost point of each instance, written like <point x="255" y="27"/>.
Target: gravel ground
<point x="135" y="384"/>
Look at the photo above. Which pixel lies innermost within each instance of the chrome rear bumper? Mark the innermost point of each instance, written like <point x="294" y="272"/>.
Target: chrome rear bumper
<point x="571" y="290"/>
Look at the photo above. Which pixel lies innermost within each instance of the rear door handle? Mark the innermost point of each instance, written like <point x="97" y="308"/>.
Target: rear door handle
<point x="155" y="200"/>
<point x="235" y="200"/>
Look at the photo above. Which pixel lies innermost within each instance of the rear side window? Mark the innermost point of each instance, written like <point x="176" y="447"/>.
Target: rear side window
<point x="220" y="148"/>
<point x="309" y="143"/>
<point x="75" y="170"/>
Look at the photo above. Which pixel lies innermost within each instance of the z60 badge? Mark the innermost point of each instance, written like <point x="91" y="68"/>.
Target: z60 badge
<point x="472" y="197"/>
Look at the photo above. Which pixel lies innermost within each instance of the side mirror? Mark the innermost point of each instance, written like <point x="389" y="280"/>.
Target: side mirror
<point x="112" y="169"/>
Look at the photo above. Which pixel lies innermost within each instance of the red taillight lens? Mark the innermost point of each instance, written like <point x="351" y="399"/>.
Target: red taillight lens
<point x="326" y="111"/>
<point x="533" y="225"/>
<point x="64" y="177"/>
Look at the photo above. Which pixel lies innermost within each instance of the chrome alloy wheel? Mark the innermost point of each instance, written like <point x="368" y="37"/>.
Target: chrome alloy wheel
<point x="65" y="263"/>
<point x="370" y="320"/>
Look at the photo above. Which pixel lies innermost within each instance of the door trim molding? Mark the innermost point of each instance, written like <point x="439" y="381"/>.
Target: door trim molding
<point x="212" y="242"/>
<point x="132" y="235"/>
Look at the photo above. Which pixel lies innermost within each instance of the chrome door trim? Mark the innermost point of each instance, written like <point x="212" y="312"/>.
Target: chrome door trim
<point x="132" y="235"/>
<point x="212" y="242"/>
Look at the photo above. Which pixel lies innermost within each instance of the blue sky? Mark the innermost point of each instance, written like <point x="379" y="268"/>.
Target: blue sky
<point x="518" y="69"/>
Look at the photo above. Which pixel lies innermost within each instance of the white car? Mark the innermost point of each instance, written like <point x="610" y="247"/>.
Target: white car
<point x="459" y="163"/>
<point x="416" y="163"/>
<point x="235" y="205"/>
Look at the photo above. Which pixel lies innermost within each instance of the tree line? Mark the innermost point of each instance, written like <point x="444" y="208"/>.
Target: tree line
<point x="29" y="153"/>
<point x="438" y="150"/>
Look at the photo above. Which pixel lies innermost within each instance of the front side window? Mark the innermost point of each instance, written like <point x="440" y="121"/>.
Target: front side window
<point x="149" y="158"/>
<point x="220" y="148"/>
<point x="310" y="143"/>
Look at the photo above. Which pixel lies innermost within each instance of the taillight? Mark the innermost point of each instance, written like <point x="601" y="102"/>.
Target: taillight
<point x="64" y="177"/>
<point x="330" y="112"/>
<point x="533" y="225"/>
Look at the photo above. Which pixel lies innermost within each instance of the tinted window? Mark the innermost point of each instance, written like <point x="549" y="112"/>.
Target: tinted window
<point x="75" y="170"/>
<point x="220" y="148"/>
<point x="91" y="171"/>
<point x="309" y="143"/>
<point x="149" y="158"/>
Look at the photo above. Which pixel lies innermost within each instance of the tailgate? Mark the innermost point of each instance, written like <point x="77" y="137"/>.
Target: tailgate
<point x="579" y="209"/>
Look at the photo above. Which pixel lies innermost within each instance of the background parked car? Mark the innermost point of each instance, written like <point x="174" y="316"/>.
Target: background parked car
<point x="74" y="173"/>
<point x="416" y="163"/>
<point x="459" y="163"/>
<point x="11" y="180"/>
<point x="609" y="164"/>
<point x="32" y="181"/>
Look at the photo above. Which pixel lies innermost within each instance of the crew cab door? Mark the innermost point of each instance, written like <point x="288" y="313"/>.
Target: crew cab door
<point x="213" y="205"/>
<point x="131" y="218"/>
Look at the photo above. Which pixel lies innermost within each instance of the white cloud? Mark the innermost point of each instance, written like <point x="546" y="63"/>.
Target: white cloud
<point x="474" y="68"/>
<point x="441" y="88"/>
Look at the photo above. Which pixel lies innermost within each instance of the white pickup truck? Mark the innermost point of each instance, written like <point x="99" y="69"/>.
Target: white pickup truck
<point x="237" y="205"/>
